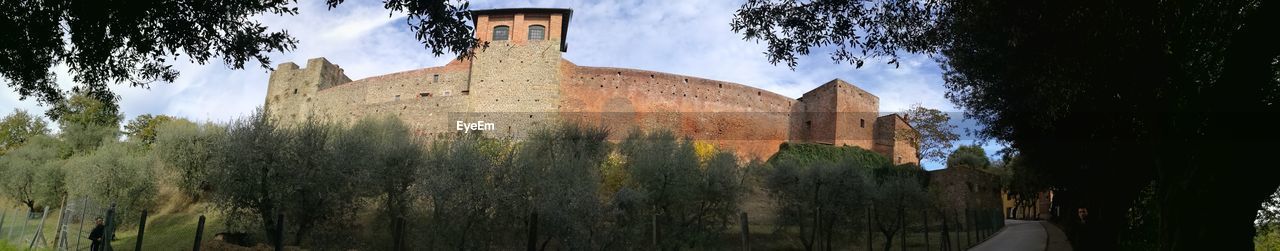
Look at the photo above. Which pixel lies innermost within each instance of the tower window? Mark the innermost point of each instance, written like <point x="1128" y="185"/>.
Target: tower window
<point x="435" y="78"/>
<point x="537" y="32"/>
<point x="862" y="123"/>
<point x="502" y="32"/>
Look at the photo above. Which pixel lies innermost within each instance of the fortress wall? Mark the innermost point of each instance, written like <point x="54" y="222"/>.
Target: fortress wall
<point x="893" y="139"/>
<point x="857" y="111"/>
<point x="291" y="89"/>
<point x="515" y="87"/>
<point x="749" y="120"/>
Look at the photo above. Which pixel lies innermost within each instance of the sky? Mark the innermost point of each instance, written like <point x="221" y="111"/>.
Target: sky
<point x="687" y="37"/>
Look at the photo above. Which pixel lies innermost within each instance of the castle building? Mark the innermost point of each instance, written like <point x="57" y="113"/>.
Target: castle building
<point x="521" y="81"/>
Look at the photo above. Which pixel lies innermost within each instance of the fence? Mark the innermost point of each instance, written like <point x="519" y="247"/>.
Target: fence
<point x="927" y="229"/>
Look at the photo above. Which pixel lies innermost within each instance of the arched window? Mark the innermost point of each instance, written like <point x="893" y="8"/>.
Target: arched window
<point x="502" y="32"/>
<point x="537" y="32"/>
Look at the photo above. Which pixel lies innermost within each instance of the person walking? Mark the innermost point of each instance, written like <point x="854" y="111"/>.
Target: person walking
<point x="95" y="237"/>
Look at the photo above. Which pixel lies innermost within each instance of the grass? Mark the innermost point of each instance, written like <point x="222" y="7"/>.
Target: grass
<point x="164" y="231"/>
<point x="167" y="232"/>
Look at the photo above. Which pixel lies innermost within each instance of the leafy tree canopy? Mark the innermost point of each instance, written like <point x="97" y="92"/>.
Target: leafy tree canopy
<point x="1149" y="90"/>
<point x="136" y="42"/>
<point x="969" y="155"/>
<point x="18" y="127"/>
<point x="143" y="128"/>
<point x="936" y="131"/>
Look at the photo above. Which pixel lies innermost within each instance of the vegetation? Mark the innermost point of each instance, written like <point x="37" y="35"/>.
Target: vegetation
<point x="1066" y="80"/>
<point x="377" y="184"/>
<point x="136" y="43"/>
<point x="936" y="132"/>
<point x="970" y="156"/>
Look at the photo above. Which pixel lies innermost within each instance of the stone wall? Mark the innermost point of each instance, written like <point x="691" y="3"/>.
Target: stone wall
<point x="291" y="91"/>
<point x="521" y="86"/>
<point x="967" y="187"/>
<point x="750" y="121"/>
<point x="895" y="138"/>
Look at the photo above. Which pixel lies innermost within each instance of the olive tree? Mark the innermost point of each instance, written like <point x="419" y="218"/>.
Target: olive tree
<point x="388" y="158"/>
<point x="24" y="171"/>
<point x="558" y="177"/>
<point x="467" y="207"/>
<point x="824" y="200"/>
<point x="689" y="204"/>
<point x="116" y="172"/>
<point x="186" y="151"/>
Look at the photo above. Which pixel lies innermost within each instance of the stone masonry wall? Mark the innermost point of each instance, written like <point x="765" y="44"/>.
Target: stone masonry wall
<point x="733" y="116"/>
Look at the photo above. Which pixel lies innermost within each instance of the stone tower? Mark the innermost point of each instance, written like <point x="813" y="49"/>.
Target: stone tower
<point x="518" y="74"/>
<point x="291" y="90"/>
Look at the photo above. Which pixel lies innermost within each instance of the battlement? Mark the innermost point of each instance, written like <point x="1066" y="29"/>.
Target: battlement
<point x="291" y="89"/>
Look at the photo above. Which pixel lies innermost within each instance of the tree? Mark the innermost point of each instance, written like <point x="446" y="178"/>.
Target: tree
<point x="558" y="173"/>
<point x="187" y="152"/>
<point x="1063" y="80"/>
<point x="25" y="171"/>
<point x="825" y="201"/>
<point x="389" y="158"/>
<point x="897" y="192"/>
<point x="936" y="131"/>
<point x="969" y="155"/>
<point x="251" y="183"/>
<point x="18" y="127"/>
<point x="143" y="127"/>
<point x="86" y="122"/>
<point x="117" y="172"/>
<point x="689" y="205"/>
<point x="136" y="42"/>
<point x="1268" y="224"/>
<point x="468" y="208"/>
<point x="318" y="191"/>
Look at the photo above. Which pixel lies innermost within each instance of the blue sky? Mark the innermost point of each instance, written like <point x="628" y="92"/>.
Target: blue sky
<point x="689" y="37"/>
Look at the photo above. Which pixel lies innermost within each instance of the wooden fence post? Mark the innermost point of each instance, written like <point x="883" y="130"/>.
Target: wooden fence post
<point x="142" y="230"/>
<point x="279" y="245"/>
<point x="926" y="229"/>
<point x="532" y="244"/>
<point x="199" y="234"/>
<point x="746" y="231"/>
<point x="109" y="232"/>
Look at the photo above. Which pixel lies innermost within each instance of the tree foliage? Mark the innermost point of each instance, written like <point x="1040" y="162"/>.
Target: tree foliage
<point x="143" y="127"/>
<point x="119" y="173"/>
<point x="689" y="204"/>
<point x="1150" y="90"/>
<point x="969" y="155"/>
<point x="86" y="122"/>
<point x="130" y="42"/>
<point x="136" y="43"/>
<point x="24" y="170"/>
<point x="898" y="192"/>
<point x="825" y="201"/>
<point x="186" y="152"/>
<point x="936" y="131"/>
<point x="389" y="159"/>
<point x="19" y="126"/>
<point x="558" y="174"/>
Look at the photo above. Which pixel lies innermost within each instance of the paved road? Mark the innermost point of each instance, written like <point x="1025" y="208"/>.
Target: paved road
<point x="1016" y="235"/>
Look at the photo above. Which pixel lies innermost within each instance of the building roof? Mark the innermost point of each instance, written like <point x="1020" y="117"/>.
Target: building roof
<point x="564" y="26"/>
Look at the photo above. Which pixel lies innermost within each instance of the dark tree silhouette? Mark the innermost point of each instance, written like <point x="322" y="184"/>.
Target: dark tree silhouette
<point x="1103" y="96"/>
<point x="136" y="42"/>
